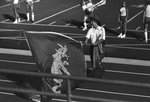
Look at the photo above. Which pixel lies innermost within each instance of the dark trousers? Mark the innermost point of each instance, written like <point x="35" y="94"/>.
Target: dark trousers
<point x="123" y="24"/>
<point x="97" y="54"/>
<point x="16" y="10"/>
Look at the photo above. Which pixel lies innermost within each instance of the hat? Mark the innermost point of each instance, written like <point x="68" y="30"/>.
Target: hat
<point x="96" y="20"/>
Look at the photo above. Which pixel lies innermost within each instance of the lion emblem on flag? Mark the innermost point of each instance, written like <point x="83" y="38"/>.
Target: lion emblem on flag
<point x="58" y="66"/>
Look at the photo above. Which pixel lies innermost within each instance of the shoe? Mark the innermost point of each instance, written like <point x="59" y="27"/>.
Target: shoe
<point x="98" y="72"/>
<point x="28" y="19"/>
<point x="55" y="89"/>
<point x="36" y="98"/>
<point x="90" y="72"/>
<point x="85" y="28"/>
<point x="16" y="21"/>
<point x="32" y="21"/>
<point x="119" y="35"/>
<point x="146" y="37"/>
<point x="32" y="17"/>
<point x="123" y="36"/>
<point x="146" y="41"/>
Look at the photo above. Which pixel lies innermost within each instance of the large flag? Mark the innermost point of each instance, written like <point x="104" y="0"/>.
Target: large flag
<point x="56" y="53"/>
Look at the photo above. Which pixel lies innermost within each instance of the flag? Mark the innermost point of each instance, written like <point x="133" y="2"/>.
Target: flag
<point x="55" y="53"/>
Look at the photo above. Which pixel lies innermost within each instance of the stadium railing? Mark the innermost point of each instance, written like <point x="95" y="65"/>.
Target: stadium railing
<point x="69" y="96"/>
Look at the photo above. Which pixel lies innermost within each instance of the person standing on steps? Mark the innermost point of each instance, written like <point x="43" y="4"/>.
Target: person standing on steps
<point x="16" y="7"/>
<point x="29" y="10"/>
<point x="96" y="37"/>
<point x="146" y="17"/>
<point x="123" y="15"/>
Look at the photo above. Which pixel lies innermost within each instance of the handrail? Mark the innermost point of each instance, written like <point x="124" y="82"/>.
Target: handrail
<point x="104" y="81"/>
<point x="69" y="96"/>
<point x="59" y="95"/>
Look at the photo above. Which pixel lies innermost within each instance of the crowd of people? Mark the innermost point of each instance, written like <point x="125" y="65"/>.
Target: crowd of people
<point x="88" y="7"/>
<point x="96" y="32"/>
<point x="124" y="15"/>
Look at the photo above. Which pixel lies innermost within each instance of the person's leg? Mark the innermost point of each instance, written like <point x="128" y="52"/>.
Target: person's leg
<point x="123" y="30"/>
<point x="120" y="27"/>
<point x="94" y="58"/>
<point x="27" y="11"/>
<point x="101" y="55"/>
<point x="85" y="22"/>
<point x="18" y="18"/>
<point x="146" y="33"/>
<point x="15" y="10"/>
<point x="101" y="51"/>
<point x="146" y="29"/>
<point x="125" y="27"/>
<point x="98" y="70"/>
<point x="32" y="12"/>
<point x="90" y="70"/>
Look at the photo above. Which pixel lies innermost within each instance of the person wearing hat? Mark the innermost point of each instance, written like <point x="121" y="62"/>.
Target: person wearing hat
<point x="96" y="39"/>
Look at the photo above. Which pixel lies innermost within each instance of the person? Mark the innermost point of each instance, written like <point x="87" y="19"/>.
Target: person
<point x="88" y="7"/>
<point x="96" y="35"/>
<point x="29" y="9"/>
<point x="123" y="15"/>
<point x="16" y="7"/>
<point x="146" y="20"/>
<point x="146" y="17"/>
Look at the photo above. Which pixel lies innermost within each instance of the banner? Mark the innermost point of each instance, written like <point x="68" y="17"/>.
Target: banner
<point x="56" y="53"/>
